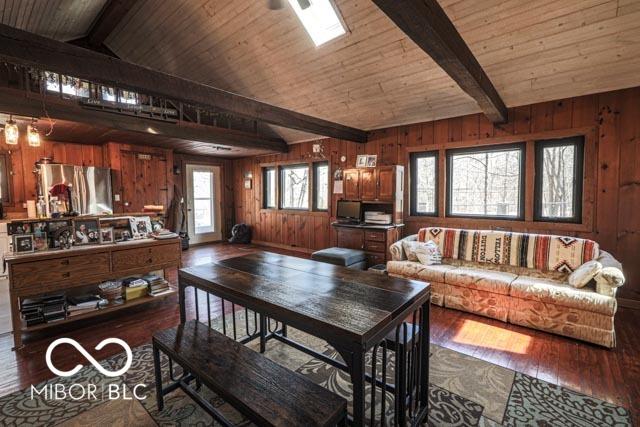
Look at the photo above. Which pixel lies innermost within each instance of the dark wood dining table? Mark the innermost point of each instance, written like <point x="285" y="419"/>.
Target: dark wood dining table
<point x="354" y="311"/>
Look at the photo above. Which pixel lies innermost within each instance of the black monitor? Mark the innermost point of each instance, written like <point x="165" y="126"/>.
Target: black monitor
<point x="349" y="211"/>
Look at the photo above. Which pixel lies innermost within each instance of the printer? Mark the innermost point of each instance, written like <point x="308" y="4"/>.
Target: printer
<point x="380" y="218"/>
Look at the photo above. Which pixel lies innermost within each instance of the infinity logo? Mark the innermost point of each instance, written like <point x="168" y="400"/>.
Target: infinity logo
<point x="90" y="358"/>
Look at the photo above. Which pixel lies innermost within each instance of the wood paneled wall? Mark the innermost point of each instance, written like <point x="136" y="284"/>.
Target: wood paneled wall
<point x="612" y="173"/>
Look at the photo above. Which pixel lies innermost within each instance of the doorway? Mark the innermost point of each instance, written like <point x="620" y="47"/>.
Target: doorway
<point x="203" y="203"/>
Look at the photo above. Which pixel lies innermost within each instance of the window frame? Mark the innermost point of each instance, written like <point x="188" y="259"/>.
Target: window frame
<point x="579" y="143"/>
<point x="265" y="187"/>
<point x="521" y="146"/>
<point x="413" y="182"/>
<point x="281" y="181"/>
<point x="315" y="187"/>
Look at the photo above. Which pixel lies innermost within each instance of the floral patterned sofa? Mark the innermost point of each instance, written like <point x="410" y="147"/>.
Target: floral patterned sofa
<point x="518" y="278"/>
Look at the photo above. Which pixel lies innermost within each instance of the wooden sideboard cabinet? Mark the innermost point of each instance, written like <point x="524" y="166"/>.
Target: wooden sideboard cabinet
<point x="373" y="239"/>
<point x="56" y="271"/>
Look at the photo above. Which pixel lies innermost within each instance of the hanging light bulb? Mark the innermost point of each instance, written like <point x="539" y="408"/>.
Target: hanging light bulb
<point x="32" y="134"/>
<point x="11" y="132"/>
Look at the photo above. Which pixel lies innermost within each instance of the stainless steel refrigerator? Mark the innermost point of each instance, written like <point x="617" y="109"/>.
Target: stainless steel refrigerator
<point x="82" y="189"/>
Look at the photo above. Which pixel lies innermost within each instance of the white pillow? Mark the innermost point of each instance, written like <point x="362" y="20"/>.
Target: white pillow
<point x="428" y="253"/>
<point x="584" y="274"/>
<point x="410" y="249"/>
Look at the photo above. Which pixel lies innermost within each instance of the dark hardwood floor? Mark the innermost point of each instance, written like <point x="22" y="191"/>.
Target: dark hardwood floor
<point x="612" y="375"/>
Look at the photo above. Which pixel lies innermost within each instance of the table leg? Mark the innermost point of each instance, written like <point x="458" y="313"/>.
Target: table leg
<point x="424" y="362"/>
<point x="16" y="324"/>
<point x="158" y="375"/>
<point x="358" y="380"/>
<point x="181" y="300"/>
<point x="263" y="333"/>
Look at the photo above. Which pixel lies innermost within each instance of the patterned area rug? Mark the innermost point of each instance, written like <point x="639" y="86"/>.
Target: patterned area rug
<point x="464" y="391"/>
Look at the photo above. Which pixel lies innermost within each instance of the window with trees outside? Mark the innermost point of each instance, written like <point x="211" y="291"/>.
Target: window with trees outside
<point x="321" y="186"/>
<point x="558" y="187"/>
<point x="486" y="182"/>
<point x="269" y="188"/>
<point x="294" y="187"/>
<point x="424" y="183"/>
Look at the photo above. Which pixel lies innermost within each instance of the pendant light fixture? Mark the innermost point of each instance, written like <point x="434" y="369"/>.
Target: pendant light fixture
<point x="11" y="132"/>
<point x="32" y="134"/>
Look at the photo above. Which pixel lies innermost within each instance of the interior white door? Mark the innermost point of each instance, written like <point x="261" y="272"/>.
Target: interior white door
<point x="203" y="203"/>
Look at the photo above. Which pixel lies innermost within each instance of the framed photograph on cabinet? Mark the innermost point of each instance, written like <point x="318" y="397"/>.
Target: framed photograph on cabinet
<point x="23" y="243"/>
<point x="372" y="161"/>
<point x="361" y="161"/>
<point x="106" y="235"/>
<point x="86" y="232"/>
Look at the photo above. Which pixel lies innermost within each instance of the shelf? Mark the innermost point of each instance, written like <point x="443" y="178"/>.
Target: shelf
<point x="108" y="309"/>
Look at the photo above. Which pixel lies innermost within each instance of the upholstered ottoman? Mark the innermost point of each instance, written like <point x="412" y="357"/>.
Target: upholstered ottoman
<point x="350" y="258"/>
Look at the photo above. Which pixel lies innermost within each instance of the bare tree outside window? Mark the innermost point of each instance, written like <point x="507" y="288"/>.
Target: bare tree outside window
<point x="321" y="183"/>
<point x="558" y="173"/>
<point x="424" y="191"/>
<point x="558" y="179"/>
<point x="294" y="192"/>
<point x="486" y="183"/>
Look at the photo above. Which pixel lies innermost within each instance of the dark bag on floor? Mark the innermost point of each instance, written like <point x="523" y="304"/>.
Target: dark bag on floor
<point x="240" y="233"/>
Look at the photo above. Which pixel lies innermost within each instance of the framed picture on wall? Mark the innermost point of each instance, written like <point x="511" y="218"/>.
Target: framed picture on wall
<point x="372" y="160"/>
<point x="361" y="161"/>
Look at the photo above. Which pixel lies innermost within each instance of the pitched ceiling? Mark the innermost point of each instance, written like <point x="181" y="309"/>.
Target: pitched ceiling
<point x="532" y="50"/>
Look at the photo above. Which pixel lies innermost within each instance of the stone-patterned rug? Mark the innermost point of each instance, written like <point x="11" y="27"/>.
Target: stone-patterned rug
<point x="464" y="391"/>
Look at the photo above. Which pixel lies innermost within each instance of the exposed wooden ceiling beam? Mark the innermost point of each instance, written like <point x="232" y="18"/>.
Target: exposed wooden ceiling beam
<point x="427" y="24"/>
<point x="111" y="14"/>
<point x="24" y="48"/>
<point x="21" y="103"/>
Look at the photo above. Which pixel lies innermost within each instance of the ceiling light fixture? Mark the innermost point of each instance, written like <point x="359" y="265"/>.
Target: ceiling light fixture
<point x="319" y="18"/>
<point x="32" y="134"/>
<point x="11" y="132"/>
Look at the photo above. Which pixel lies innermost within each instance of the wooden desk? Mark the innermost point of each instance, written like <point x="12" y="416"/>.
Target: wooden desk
<point x="57" y="270"/>
<point x="375" y="240"/>
<point x="352" y="310"/>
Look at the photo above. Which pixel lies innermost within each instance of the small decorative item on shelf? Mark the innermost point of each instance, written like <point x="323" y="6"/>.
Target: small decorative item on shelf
<point x="23" y="243"/>
<point x="87" y="231"/>
<point x="111" y="291"/>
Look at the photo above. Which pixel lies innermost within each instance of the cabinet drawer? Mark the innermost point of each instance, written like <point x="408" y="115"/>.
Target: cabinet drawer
<point x="374" y="246"/>
<point x="135" y="258"/>
<point x="69" y="269"/>
<point x="375" y="258"/>
<point x="350" y="238"/>
<point x="378" y="236"/>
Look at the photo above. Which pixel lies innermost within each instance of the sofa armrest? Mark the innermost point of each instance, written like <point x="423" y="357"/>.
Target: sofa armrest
<point x="397" y="252"/>
<point x="610" y="278"/>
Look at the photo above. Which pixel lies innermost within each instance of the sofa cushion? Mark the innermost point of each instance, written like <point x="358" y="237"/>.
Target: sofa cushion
<point x="538" y="251"/>
<point x="478" y="278"/>
<point x="416" y="270"/>
<point x="562" y="294"/>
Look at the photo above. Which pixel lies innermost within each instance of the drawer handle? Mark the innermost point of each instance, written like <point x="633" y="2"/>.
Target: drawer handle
<point x="64" y="262"/>
<point x="67" y="274"/>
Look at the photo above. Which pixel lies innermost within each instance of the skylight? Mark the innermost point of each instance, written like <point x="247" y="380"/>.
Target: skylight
<point x="319" y="19"/>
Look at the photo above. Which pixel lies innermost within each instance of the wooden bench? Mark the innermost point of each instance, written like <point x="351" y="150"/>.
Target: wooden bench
<point x="265" y="392"/>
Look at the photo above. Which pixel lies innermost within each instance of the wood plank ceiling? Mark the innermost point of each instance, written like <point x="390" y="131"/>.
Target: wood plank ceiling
<point x="373" y="77"/>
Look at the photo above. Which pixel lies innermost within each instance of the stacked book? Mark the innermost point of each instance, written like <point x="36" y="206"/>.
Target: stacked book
<point x="134" y="287"/>
<point x="81" y="304"/>
<point x="54" y="308"/>
<point x="32" y="311"/>
<point x="164" y="234"/>
<point x="157" y="285"/>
